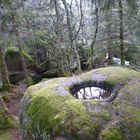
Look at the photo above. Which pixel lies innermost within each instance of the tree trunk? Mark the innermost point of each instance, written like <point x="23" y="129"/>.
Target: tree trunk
<point x="17" y="34"/>
<point x="109" y="42"/>
<point x="73" y="46"/>
<point x="95" y="34"/>
<point x="122" y="49"/>
<point x="58" y="21"/>
<point x="3" y="72"/>
<point x="60" y="39"/>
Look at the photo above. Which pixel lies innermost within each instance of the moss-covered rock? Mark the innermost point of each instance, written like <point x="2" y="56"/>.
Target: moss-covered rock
<point x="49" y="110"/>
<point x="13" y="60"/>
<point x="14" y="65"/>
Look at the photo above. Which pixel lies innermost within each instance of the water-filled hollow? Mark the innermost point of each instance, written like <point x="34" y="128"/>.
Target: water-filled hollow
<point x="92" y="91"/>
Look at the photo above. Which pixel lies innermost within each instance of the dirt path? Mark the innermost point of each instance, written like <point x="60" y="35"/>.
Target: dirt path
<point x="15" y="98"/>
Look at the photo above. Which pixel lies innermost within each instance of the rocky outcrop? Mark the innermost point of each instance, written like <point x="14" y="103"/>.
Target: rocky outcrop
<point x="13" y="60"/>
<point x="48" y="109"/>
<point x="14" y="65"/>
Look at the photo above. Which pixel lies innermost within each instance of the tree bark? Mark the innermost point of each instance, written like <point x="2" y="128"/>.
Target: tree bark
<point x="122" y="49"/>
<point x="60" y="40"/>
<point x="73" y="46"/>
<point x="17" y="34"/>
<point x="95" y="34"/>
<point x="109" y="42"/>
<point x="3" y="72"/>
<point x="3" y="68"/>
<point x="81" y="21"/>
<point x="58" y="21"/>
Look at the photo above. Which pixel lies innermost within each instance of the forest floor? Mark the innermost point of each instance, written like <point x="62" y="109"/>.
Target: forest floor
<point x="13" y="105"/>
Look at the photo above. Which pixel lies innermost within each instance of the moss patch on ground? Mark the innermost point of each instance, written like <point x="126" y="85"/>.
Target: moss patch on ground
<point x="111" y="133"/>
<point x="7" y="120"/>
<point x="5" y="135"/>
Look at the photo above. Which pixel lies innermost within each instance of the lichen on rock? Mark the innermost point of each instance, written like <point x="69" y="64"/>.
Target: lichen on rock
<point x="49" y="110"/>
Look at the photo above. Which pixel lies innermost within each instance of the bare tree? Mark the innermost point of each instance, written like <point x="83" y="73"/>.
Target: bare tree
<point x="14" y="20"/>
<point x="96" y="30"/>
<point x="121" y="32"/>
<point x="108" y="17"/>
<point x="71" y="41"/>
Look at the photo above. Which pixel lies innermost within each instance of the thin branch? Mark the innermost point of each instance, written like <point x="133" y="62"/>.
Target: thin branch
<point x="81" y="20"/>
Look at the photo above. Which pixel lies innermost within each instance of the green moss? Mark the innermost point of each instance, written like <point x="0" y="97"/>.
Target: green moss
<point x="130" y="122"/>
<point x="127" y="111"/>
<point x="131" y="90"/>
<point x="111" y="133"/>
<point x="11" y="50"/>
<point x="6" y="119"/>
<point x="5" y="135"/>
<point x="105" y="115"/>
<point x="77" y="119"/>
<point x="118" y="74"/>
<point x="111" y="75"/>
<point x="30" y="81"/>
<point x="54" y="113"/>
<point x="46" y="111"/>
<point x="27" y="56"/>
<point x="53" y="110"/>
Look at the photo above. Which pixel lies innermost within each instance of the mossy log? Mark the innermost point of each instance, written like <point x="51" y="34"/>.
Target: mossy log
<point x="49" y="110"/>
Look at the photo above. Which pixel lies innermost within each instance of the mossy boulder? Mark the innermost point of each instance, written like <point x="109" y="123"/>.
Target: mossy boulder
<point x="13" y="59"/>
<point x="14" y="65"/>
<point x="48" y="109"/>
